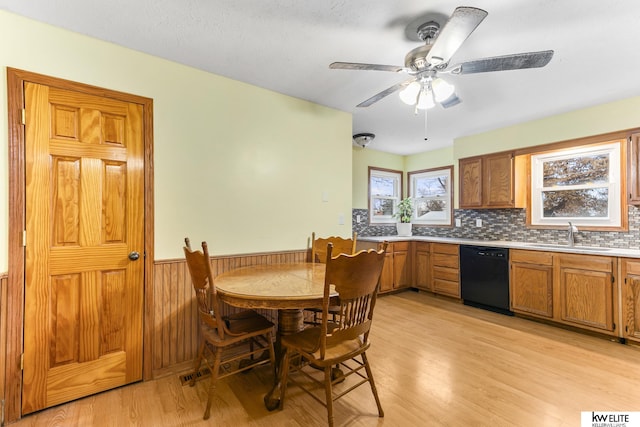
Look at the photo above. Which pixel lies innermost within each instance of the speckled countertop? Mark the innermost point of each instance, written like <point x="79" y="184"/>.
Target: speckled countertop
<point x="549" y="247"/>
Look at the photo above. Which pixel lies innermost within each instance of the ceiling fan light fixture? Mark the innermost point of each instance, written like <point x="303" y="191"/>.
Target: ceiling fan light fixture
<point x="442" y="90"/>
<point x="409" y="94"/>
<point x="425" y="99"/>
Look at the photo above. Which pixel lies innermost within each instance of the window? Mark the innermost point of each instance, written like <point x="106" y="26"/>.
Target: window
<point x="432" y="196"/>
<point x="385" y="191"/>
<point x="580" y="185"/>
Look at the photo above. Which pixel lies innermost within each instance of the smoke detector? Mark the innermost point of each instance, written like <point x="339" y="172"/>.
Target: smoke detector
<point x="363" y="139"/>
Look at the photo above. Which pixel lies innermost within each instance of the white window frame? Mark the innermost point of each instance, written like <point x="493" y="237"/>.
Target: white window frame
<point x="614" y="212"/>
<point x="448" y="197"/>
<point x="395" y="199"/>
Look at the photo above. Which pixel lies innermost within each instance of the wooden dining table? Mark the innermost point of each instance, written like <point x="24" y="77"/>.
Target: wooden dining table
<point x="288" y="288"/>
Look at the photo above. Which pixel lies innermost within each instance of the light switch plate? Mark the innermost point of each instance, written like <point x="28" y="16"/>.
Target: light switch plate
<point x="458" y="222"/>
<point x="478" y="222"/>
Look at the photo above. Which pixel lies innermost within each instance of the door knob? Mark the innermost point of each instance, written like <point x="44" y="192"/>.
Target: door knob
<point x="134" y="256"/>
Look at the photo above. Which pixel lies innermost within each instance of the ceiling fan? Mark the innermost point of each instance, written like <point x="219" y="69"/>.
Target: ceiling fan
<point x="424" y="88"/>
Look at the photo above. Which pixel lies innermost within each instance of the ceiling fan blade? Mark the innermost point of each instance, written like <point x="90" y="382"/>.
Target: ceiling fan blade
<point x="359" y="66"/>
<point x="457" y="29"/>
<point x="451" y="101"/>
<point x="377" y="97"/>
<point x="503" y="63"/>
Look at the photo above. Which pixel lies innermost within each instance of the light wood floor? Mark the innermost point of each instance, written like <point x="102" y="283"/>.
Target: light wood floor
<point x="436" y="362"/>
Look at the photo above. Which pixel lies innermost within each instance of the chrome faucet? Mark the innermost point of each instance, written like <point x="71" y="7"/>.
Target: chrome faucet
<point x="571" y="237"/>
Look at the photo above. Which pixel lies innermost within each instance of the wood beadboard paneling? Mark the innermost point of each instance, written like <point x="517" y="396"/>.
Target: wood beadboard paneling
<point x="174" y="315"/>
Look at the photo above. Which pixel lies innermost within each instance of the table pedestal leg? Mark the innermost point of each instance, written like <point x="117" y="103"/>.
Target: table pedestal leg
<point x="290" y="321"/>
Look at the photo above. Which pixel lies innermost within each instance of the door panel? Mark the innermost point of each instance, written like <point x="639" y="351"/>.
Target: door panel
<point x="84" y="214"/>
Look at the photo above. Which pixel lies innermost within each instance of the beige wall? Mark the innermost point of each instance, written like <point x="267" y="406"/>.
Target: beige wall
<point x="242" y="167"/>
<point x="614" y="116"/>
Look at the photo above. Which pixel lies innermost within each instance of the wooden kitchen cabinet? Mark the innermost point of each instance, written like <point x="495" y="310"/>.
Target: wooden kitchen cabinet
<point x="633" y="173"/>
<point x="445" y="269"/>
<point x="631" y="299"/>
<point x="401" y="265"/>
<point x="531" y="283"/>
<point x="396" y="271"/>
<point x="487" y="181"/>
<point x="386" y="278"/>
<point x="587" y="292"/>
<point x="574" y="289"/>
<point x="422" y="266"/>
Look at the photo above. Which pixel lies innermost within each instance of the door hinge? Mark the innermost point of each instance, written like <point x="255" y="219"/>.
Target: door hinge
<point x="24" y="116"/>
<point x="614" y="326"/>
<point x="613" y="279"/>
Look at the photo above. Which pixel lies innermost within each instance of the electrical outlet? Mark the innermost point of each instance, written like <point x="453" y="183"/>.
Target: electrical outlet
<point x="358" y="219"/>
<point x="478" y="222"/>
<point x="458" y="222"/>
<point x="341" y="219"/>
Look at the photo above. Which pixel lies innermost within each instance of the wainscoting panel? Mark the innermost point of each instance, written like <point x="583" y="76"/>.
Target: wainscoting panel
<point x="174" y="317"/>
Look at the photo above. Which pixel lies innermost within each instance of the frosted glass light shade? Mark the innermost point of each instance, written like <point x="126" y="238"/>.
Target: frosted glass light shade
<point x="425" y="100"/>
<point x="442" y="90"/>
<point x="409" y="94"/>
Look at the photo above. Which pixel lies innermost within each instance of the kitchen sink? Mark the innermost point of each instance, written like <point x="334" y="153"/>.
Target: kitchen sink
<point x="556" y="246"/>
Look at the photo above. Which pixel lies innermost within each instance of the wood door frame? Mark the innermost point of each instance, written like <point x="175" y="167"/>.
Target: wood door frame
<point x="17" y="217"/>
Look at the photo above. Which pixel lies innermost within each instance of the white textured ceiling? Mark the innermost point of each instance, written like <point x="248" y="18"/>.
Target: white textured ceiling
<point x="287" y="46"/>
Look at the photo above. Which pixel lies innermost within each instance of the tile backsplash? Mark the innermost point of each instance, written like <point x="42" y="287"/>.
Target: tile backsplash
<point x="507" y="224"/>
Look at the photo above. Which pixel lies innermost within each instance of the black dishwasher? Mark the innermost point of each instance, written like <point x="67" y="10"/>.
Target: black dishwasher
<point x="484" y="277"/>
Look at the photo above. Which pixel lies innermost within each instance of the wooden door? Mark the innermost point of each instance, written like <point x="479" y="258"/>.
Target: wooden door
<point x="84" y="171"/>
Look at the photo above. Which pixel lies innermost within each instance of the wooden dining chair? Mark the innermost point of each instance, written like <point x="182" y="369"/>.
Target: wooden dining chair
<point x="319" y="254"/>
<point x="342" y="344"/>
<point x="340" y="246"/>
<point x="228" y="344"/>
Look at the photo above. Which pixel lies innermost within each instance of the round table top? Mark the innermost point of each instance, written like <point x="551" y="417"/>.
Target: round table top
<point x="281" y="286"/>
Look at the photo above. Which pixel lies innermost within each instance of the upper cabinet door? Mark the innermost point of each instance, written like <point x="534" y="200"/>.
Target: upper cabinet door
<point x="498" y="180"/>
<point x="487" y="181"/>
<point x="633" y="175"/>
<point x="470" y="173"/>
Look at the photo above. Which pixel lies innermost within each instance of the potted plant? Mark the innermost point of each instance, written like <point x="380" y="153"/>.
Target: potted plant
<point x="404" y="214"/>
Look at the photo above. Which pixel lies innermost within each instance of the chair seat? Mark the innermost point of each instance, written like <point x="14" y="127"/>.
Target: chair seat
<point x="307" y="341"/>
<point x="239" y="329"/>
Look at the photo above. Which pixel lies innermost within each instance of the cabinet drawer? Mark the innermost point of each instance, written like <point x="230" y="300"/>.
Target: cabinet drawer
<point x="446" y="287"/>
<point x="444" y="260"/>
<point x="531" y="257"/>
<point x="450" y="274"/>
<point x="587" y="262"/>
<point x="445" y="248"/>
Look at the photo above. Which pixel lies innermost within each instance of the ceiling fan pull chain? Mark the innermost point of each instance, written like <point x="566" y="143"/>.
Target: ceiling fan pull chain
<point x="425" y="125"/>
